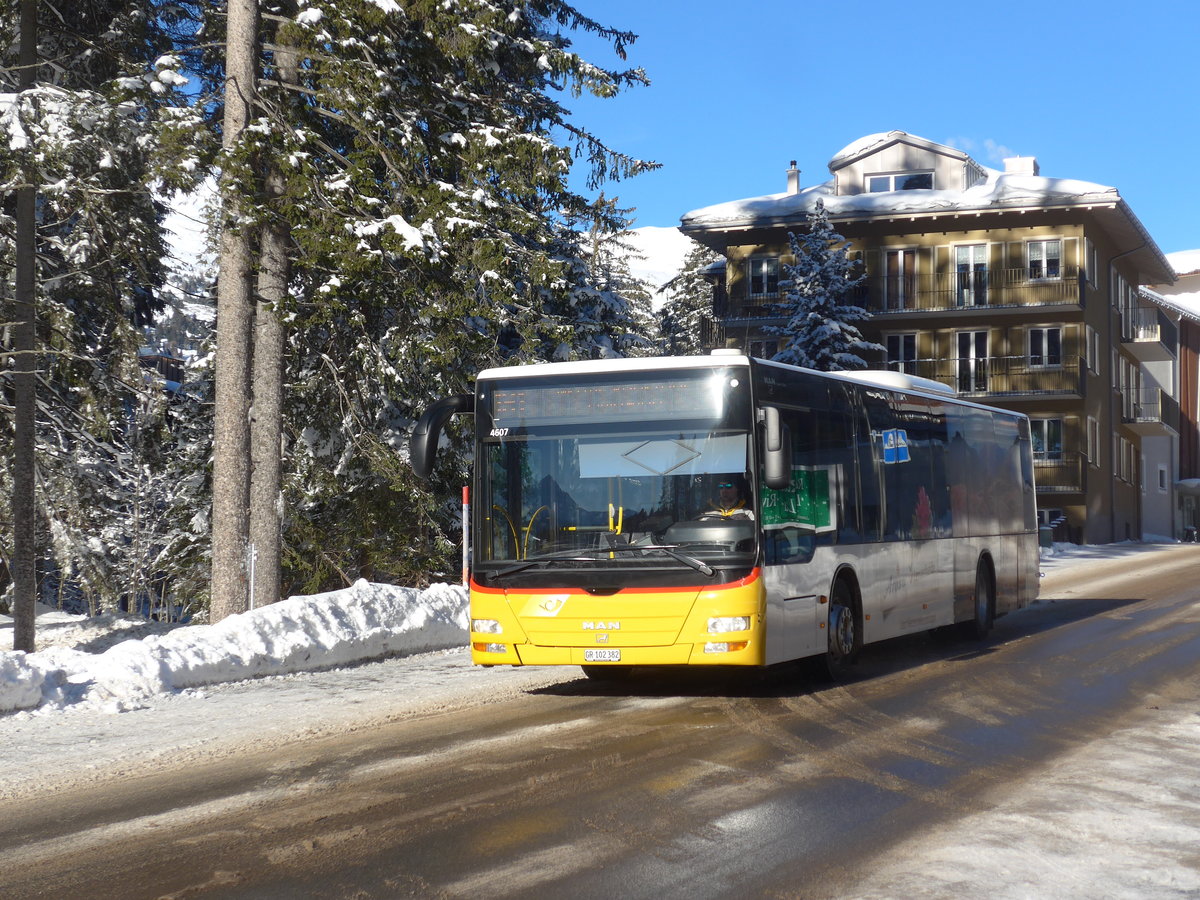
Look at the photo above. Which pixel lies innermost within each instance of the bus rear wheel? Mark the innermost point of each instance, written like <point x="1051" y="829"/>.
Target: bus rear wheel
<point x="844" y="639"/>
<point x="983" y="604"/>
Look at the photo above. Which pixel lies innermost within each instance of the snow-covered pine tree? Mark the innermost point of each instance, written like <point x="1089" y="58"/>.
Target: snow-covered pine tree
<point x="433" y="233"/>
<point x="689" y="304"/>
<point x="606" y="311"/>
<point x="818" y="302"/>
<point x="87" y="137"/>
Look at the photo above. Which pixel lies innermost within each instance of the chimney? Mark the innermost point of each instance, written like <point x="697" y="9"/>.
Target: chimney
<point x="1021" y="165"/>
<point x="793" y="175"/>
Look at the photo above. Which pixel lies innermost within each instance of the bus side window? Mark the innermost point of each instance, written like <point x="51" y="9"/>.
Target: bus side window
<point x="870" y="469"/>
<point x="838" y="452"/>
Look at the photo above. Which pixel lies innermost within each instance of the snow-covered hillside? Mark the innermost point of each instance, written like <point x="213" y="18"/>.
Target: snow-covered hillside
<point x="663" y="251"/>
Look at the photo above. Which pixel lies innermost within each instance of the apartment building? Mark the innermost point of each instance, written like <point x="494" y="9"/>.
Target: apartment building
<point x="1013" y="288"/>
<point x="1182" y="301"/>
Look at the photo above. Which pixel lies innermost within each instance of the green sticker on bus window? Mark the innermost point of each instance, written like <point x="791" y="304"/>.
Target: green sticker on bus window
<point x="805" y="504"/>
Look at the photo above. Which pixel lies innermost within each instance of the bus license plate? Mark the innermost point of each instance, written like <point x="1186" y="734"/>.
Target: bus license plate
<point x="601" y="655"/>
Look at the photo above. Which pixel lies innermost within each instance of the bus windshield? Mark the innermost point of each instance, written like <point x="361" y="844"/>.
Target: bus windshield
<point x="599" y="489"/>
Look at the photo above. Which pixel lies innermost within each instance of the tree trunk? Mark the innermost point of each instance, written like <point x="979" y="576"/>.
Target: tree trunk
<point x="231" y="427"/>
<point x="24" y="510"/>
<point x="266" y="424"/>
<point x="266" y="427"/>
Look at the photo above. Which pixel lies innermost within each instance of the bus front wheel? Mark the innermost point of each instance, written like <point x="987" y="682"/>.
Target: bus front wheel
<point x="844" y="637"/>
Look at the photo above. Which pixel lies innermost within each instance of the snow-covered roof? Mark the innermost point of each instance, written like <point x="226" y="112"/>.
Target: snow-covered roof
<point x="997" y="192"/>
<point x="1184" y="295"/>
<point x="1187" y="304"/>
<point x="1185" y="262"/>
<point x="873" y="143"/>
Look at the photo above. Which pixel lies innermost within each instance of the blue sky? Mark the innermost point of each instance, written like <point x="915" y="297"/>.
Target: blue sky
<point x="1104" y="91"/>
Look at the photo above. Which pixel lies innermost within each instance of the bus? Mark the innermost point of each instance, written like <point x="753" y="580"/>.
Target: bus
<point x="874" y="505"/>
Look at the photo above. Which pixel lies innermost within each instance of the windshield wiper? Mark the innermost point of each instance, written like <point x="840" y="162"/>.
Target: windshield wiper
<point x="573" y="556"/>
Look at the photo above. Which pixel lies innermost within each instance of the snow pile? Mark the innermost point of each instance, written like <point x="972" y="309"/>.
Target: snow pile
<point x="363" y="622"/>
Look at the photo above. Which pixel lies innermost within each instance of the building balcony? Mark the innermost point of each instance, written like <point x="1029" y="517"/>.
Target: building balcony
<point x="991" y="290"/>
<point x="1007" y="377"/>
<point x="1061" y="473"/>
<point x="1151" y="412"/>
<point x="1149" y="334"/>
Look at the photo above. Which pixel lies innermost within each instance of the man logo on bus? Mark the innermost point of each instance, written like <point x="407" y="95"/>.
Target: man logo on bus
<point x="895" y="446"/>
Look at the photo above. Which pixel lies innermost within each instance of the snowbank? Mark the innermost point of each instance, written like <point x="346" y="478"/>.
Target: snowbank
<point x="363" y="622"/>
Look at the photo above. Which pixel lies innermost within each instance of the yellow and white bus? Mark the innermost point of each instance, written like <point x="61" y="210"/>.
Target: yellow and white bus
<point x="875" y="504"/>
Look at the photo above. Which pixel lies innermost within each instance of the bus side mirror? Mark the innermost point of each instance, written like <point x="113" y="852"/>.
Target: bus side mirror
<point x="422" y="445"/>
<point x="777" y="451"/>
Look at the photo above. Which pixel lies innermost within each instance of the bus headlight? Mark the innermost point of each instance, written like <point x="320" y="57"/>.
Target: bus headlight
<point x="725" y="646"/>
<point x="486" y="626"/>
<point x="725" y="624"/>
<point x="490" y="648"/>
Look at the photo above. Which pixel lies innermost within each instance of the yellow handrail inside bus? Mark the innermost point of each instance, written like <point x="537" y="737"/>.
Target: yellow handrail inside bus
<point x="616" y="518"/>
<point x="512" y="530"/>
<point x="529" y="528"/>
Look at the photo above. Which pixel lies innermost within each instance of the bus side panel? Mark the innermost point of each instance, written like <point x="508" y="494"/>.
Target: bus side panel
<point x="906" y="586"/>
<point x="794" y="614"/>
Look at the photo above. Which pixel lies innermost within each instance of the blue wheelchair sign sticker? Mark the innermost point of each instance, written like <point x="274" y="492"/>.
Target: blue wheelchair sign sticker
<point x="895" y="446"/>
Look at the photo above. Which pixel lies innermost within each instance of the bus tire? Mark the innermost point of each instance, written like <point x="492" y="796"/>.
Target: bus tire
<point x="983" y="603"/>
<point x="843" y="632"/>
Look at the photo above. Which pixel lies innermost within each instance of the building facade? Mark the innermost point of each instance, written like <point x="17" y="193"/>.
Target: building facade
<point x="1182" y="299"/>
<point x="1015" y="289"/>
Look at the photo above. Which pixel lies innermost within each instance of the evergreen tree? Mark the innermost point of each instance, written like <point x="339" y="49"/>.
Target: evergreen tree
<point x="432" y="232"/>
<point x="683" y="318"/>
<point x="818" y="302"/>
<point x="86" y="135"/>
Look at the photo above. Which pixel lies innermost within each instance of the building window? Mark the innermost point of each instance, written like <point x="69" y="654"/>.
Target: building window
<point x="971" y="271"/>
<point x="1047" y="440"/>
<point x="1126" y="454"/>
<point x="764" y="276"/>
<point x="1162" y="479"/>
<point x="764" y="349"/>
<point x="1093" y="350"/>
<point x="902" y="353"/>
<point x="1045" y="259"/>
<point x="972" y="361"/>
<point x="1050" y="517"/>
<point x="1045" y="348"/>
<point x="1093" y="440"/>
<point x="900" y="279"/>
<point x="903" y="181"/>
<point x="1093" y="262"/>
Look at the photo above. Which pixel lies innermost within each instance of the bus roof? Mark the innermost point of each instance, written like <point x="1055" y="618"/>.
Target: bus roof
<point x="881" y="378"/>
<point x="624" y="364"/>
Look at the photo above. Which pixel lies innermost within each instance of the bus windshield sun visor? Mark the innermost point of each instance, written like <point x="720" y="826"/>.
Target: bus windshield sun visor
<point x="422" y="446"/>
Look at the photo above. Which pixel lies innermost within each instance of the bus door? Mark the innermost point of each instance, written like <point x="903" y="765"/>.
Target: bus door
<point x="801" y="522"/>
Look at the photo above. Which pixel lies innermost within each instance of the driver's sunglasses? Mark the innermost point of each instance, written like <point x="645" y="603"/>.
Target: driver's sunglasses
<point x="725" y="484"/>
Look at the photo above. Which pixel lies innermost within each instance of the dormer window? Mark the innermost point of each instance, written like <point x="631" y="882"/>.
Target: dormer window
<point x="903" y="181"/>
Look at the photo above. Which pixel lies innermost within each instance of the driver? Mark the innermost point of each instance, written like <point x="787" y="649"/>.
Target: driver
<point x="731" y="501"/>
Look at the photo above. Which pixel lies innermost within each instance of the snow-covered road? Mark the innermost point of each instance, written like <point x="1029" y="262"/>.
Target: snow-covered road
<point x="1119" y="817"/>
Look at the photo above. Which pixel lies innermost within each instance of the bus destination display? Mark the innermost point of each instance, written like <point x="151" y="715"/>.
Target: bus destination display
<point x="519" y="405"/>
